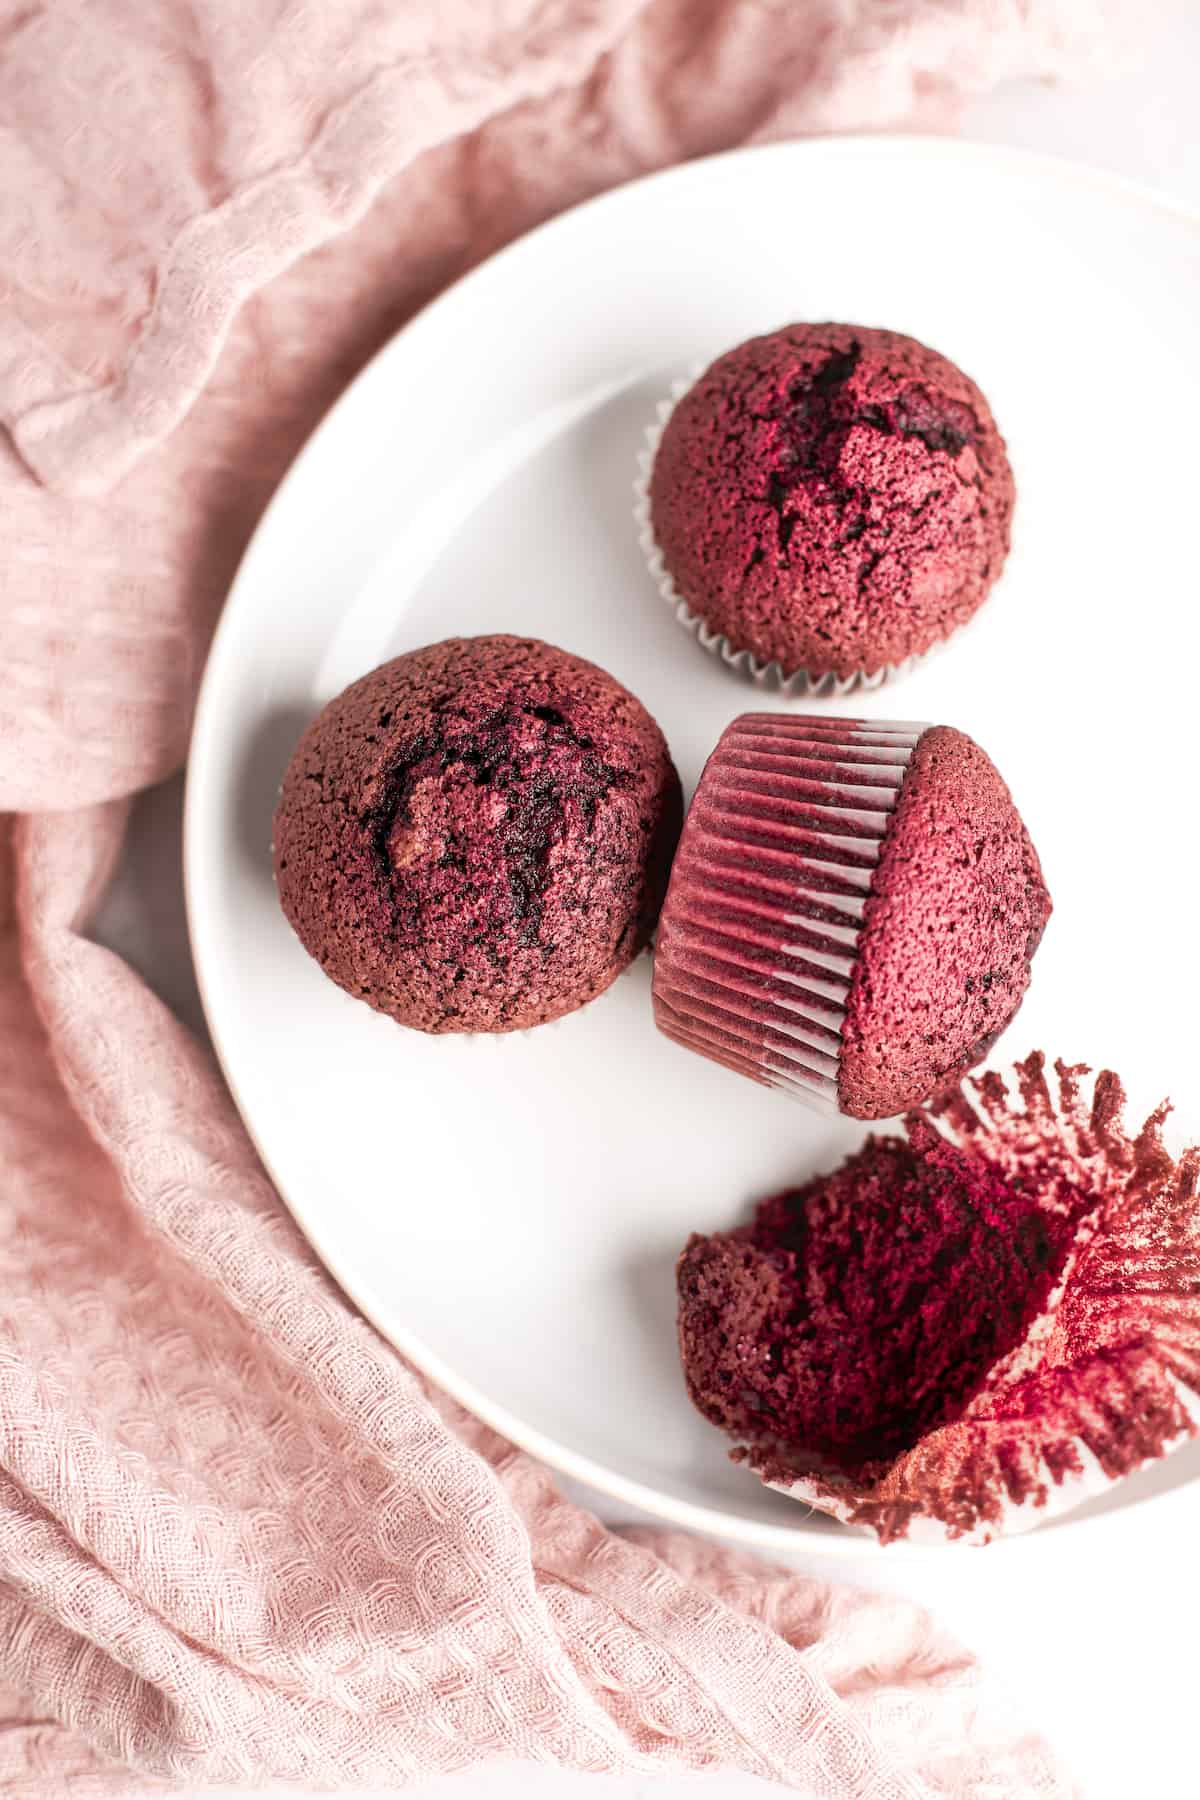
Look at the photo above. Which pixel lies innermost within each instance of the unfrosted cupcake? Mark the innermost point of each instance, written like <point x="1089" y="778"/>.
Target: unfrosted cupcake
<point x="965" y="1330"/>
<point x="829" y="500"/>
<point x="863" y="1310"/>
<point x="852" y="913"/>
<point x="477" y="836"/>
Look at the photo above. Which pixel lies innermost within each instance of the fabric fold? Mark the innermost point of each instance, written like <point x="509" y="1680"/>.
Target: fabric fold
<point x="240" y="1540"/>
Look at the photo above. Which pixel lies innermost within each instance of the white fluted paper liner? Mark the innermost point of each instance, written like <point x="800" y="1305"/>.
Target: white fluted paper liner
<point x="798" y="684"/>
<point x="1112" y="1361"/>
<point x="759" y="933"/>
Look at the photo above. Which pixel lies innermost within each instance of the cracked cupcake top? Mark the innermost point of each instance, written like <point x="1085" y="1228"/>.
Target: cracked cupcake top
<point x="477" y="836"/>
<point x="832" y="498"/>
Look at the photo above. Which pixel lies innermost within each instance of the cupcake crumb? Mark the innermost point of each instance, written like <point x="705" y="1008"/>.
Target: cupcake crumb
<point x="958" y="1320"/>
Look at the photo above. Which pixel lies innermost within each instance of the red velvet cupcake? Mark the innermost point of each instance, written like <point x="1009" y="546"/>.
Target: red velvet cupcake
<point x="965" y="1329"/>
<point x="852" y="913"/>
<point x="477" y="836"/>
<point x="826" y="503"/>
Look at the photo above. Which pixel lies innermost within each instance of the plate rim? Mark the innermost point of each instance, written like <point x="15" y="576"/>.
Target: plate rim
<point x="203" y="737"/>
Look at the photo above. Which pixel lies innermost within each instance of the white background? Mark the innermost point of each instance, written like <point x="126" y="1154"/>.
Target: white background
<point x="1093" y="1635"/>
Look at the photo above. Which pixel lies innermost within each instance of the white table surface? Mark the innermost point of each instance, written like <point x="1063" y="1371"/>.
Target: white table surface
<point x="1091" y="1631"/>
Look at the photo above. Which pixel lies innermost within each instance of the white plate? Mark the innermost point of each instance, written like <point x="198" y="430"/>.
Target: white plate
<point x="508" y="1211"/>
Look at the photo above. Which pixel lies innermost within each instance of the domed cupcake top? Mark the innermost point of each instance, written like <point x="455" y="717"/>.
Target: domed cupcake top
<point x="957" y="908"/>
<point x="477" y="835"/>
<point x="832" y="499"/>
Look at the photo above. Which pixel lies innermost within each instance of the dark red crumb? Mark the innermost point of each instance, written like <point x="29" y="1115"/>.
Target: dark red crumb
<point x="940" y="1327"/>
<point x="863" y="1309"/>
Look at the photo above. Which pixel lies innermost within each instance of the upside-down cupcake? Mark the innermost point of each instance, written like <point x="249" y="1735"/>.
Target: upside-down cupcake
<point x="477" y="836"/>
<point x="852" y="912"/>
<point x="826" y="503"/>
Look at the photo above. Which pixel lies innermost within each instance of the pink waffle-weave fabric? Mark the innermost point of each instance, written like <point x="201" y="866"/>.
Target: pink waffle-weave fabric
<point x="239" y="1540"/>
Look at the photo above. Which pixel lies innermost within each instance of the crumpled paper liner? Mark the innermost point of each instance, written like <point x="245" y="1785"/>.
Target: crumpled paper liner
<point x="1108" y="1377"/>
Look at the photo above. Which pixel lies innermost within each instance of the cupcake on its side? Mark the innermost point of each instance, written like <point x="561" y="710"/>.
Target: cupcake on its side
<point x="829" y="501"/>
<point x="477" y="836"/>
<point x="852" y="913"/>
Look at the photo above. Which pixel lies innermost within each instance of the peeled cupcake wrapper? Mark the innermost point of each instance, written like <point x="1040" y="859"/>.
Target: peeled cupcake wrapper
<point x="1107" y="1378"/>
<point x="771" y="675"/>
<point x="769" y="892"/>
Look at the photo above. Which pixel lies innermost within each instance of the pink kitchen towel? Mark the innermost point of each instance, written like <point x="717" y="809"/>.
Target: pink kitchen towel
<point x="239" y="1540"/>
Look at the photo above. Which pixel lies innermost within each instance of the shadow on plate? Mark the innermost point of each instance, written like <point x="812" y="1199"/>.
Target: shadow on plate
<point x="1163" y="1477"/>
<point x="258" y="780"/>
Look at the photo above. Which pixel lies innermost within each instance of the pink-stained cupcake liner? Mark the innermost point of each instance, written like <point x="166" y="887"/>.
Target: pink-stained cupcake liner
<point x="1107" y="1378"/>
<point x="770" y="676"/>
<point x="758" y="937"/>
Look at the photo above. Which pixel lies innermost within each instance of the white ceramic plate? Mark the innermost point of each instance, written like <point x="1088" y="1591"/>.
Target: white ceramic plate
<point x="508" y="1210"/>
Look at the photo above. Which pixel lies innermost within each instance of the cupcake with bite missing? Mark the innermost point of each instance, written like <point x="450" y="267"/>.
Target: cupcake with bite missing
<point x="852" y="913"/>
<point x="826" y="503"/>
<point x="964" y="1329"/>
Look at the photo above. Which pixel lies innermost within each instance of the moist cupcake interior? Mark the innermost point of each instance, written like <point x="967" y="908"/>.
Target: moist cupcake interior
<point x="865" y="1309"/>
